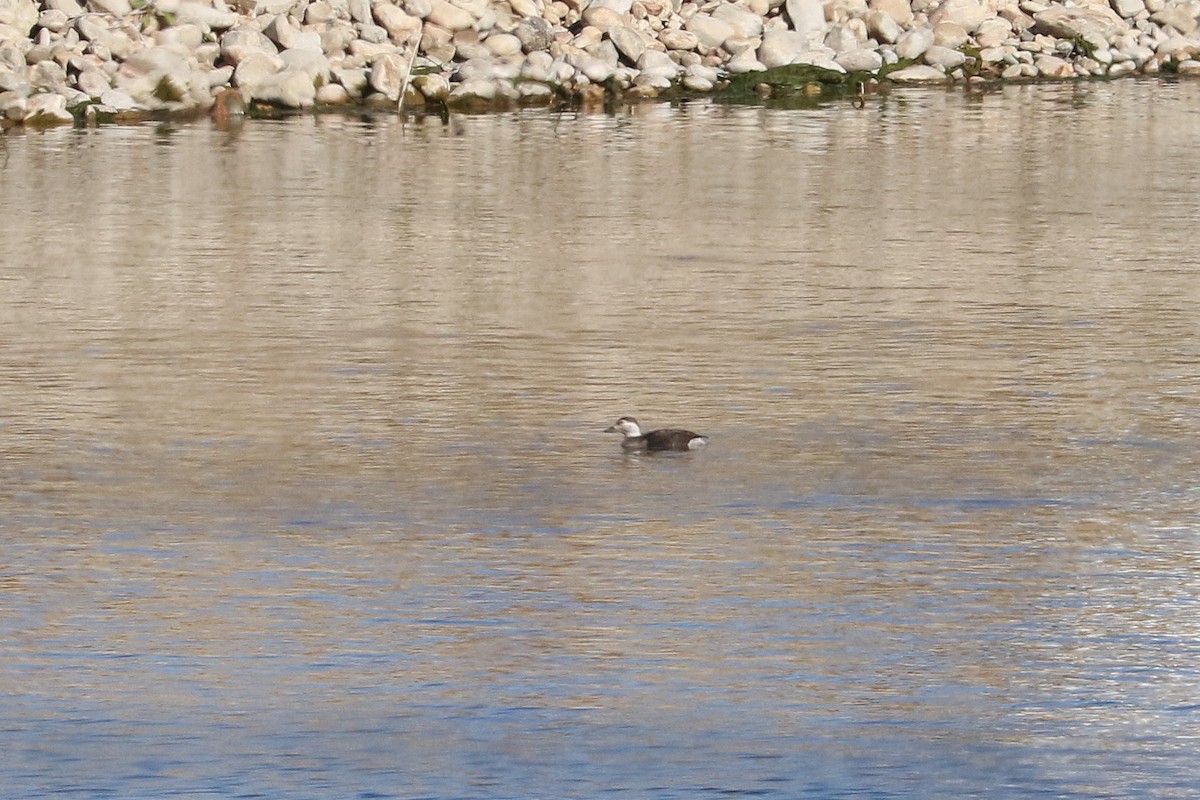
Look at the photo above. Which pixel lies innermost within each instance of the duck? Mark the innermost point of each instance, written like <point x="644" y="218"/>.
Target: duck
<point x="662" y="439"/>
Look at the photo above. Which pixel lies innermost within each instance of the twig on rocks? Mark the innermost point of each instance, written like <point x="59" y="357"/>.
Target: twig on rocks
<point x="412" y="57"/>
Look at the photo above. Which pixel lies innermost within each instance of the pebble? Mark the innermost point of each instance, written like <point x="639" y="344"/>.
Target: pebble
<point x="58" y="54"/>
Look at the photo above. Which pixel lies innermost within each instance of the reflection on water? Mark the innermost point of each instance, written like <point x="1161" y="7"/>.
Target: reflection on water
<point x="304" y="492"/>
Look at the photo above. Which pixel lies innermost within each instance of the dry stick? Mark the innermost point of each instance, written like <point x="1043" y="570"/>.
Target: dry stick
<point x="408" y="72"/>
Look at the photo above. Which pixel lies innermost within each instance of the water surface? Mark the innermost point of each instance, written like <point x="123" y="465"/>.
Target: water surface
<point x="303" y="491"/>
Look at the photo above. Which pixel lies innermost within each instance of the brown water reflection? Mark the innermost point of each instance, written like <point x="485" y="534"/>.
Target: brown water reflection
<point x="304" y="490"/>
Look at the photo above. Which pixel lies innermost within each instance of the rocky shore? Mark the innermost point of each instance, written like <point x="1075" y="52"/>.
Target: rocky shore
<point x="71" y="61"/>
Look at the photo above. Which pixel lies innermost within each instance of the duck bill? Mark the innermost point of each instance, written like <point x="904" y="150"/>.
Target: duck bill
<point x="612" y="429"/>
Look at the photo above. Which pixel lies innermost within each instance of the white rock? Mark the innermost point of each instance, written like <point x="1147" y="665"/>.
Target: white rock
<point x="353" y="80"/>
<point x="937" y="56"/>
<point x="291" y="88"/>
<point x="1011" y="72"/>
<point x="47" y="75"/>
<point x="69" y="7"/>
<point x="418" y="8"/>
<point x="255" y="70"/>
<point x="1053" y="67"/>
<point x="744" y="21"/>
<point x="117" y="100"/>
<point x="860" y="61"/>
<point x="47" y="108"/>
<point x="967" y="13"/>
<point x="655" y="63"/>
<point x="474" y="90"/>
<point x="435" y="87"/>
<point x="449" y="16"/>
<point x="239" y="43"/>
<point x="912" y="44"/>
<point x="1180" y="18"/>
<point x="780" y="47"/>
<point x="918" y="73"/>
<point x="883" y="27"/>
<point x="710" y="32"/>
<point x="92" y="27"/>
<point x="311" y="62"/>
<point x="678" y="39"/>
<point x="534" y="90"/>
<point x="116" y="8"/>
<point x="745" y="61"/>
<point x="898" y="10"/>
<point x="808" y="20"/>
<point x="503" y="45"/>
<point x="1127" y="9"/>
<point x="1064" y="22"/>
<point x="594" y="69"/>
<point x="332" y="94"/>
<point x="697" y="83"/>
<point x="387" y="76"/>
<point x="949" y="34"/>
<point x="205" y="15"/>
<point x="841" y="39"/>
<point x="400" y="26"/>
<point x="993" y="32"/>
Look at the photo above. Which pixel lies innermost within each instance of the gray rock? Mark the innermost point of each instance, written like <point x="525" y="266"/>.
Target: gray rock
<point x="47" y="76"/>
<point x="780" y="47"/>
<point x="912" y="44"/>
<point x="52" y="20"/>
<point x="534" y="33"/>
<point x="94" y="82"/>
<point x="91" y="27"/>
<point x="360" y="10"/>
<point x="628" y="42"/>
<point x="418" y="8"/>
<point x="374" y="34"/>
<point x="710" y="32"/>
<point x="387" y="76"/>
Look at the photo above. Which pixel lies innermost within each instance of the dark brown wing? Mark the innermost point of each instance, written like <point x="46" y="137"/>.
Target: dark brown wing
<point x="670" y="439"/>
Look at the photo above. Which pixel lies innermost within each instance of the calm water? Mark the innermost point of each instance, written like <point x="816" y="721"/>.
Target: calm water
<point x="303" y="491"/>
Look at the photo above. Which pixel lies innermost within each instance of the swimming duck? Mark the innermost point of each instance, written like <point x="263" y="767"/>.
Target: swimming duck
<point x="664" y="439"/>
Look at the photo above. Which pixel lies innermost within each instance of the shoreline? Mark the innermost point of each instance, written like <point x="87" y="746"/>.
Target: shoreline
<point x="67" y="62"/>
